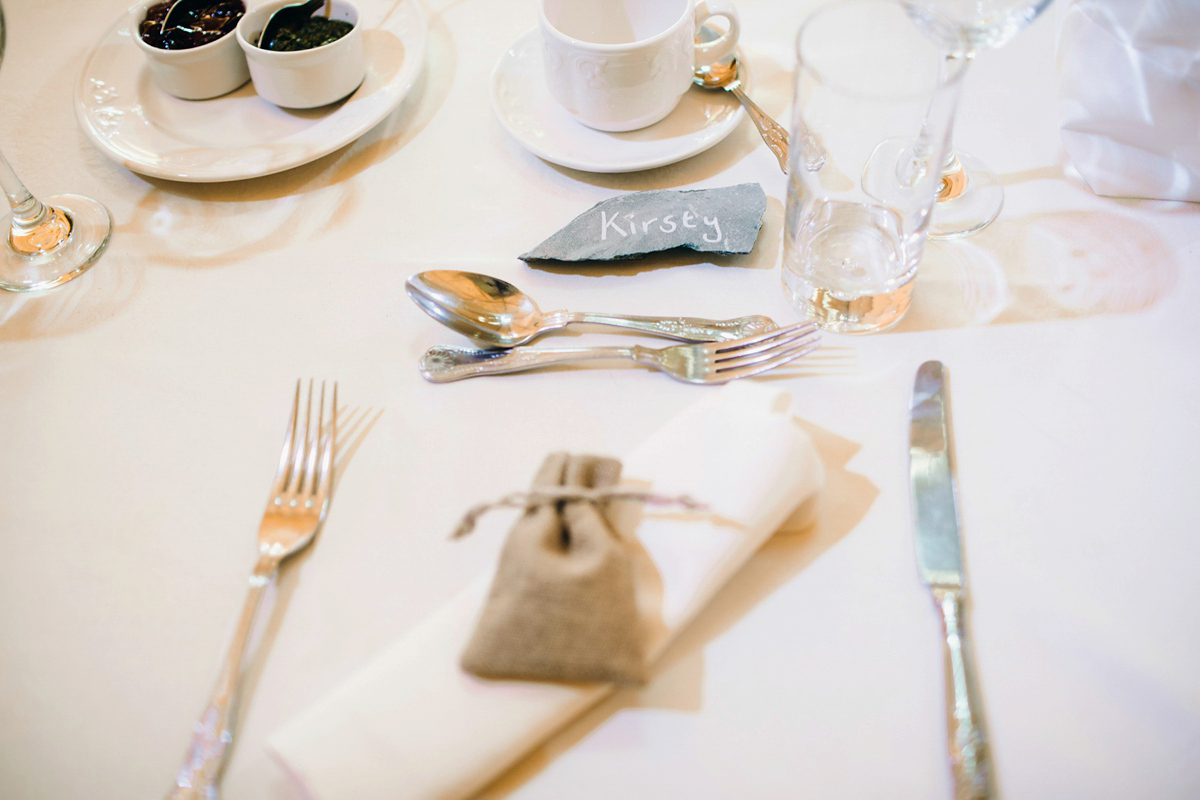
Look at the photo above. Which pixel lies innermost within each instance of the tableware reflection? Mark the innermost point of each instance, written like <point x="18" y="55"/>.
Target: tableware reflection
<point x="1058" y="265"/>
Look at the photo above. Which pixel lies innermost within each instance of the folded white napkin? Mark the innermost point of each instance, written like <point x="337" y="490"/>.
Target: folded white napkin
<point x="413" y="725"/>
<point x="1129" y="85"/>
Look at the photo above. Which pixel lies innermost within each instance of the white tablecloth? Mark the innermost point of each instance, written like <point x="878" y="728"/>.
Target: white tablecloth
<point x="143" y="405"/>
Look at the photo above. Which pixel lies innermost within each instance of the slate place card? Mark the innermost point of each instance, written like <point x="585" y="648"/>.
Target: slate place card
<point x="724" y="220"/>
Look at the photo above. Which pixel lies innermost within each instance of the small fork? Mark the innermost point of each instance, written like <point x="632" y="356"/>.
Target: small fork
<point x="295" y="510"/>
<point x="718" y="362"/>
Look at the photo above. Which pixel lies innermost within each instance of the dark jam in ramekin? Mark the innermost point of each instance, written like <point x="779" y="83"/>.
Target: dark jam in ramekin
<point x="198" y="25"/>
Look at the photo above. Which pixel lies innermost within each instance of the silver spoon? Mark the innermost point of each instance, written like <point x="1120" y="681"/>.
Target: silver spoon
<point x="292" y="16"/>
<point x="495" y="313"/>
<point x="176" y="11"/>
<point x="724" y="75"/>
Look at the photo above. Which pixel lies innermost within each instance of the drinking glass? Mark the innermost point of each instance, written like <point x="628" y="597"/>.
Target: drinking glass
<point x="46" y="243"/>
<point x="970" y="195"/>
<point x="866" y="77"/>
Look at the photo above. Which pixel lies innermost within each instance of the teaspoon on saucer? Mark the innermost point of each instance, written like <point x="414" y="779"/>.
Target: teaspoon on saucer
<point x="725" y="75"/>
<point x="494" y="313"/>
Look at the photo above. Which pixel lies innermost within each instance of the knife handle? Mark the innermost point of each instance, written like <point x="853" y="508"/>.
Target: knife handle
<point x="968" y="744"/>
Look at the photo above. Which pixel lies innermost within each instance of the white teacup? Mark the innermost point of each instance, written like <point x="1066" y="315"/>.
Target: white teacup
<point x="620" y="65"/>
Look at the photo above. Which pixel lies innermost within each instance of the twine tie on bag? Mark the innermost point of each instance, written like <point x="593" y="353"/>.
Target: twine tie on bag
<point x="543" y="496"/>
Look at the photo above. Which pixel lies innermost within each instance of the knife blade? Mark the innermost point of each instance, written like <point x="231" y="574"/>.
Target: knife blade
<point x="939" y="559"/>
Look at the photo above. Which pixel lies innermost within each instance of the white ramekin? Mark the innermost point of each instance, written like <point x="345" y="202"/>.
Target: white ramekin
<point x="197" y="73"/>
<point x="304" y="78"/>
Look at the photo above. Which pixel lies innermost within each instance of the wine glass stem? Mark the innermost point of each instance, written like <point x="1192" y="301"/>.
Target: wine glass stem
<point x="939" y="118"/>
<point x="36" y="227"/>
<point x="945" y="102"/>
<point x="27" y="210"/>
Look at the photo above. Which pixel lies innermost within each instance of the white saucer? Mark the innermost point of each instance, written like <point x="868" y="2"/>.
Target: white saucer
<point x="526" y="110"/>
<point x="239" y="135"/>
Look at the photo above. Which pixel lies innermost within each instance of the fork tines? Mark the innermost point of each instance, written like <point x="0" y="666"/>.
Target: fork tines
<point x="755" y="354"/>
<point x="306" y="461"/>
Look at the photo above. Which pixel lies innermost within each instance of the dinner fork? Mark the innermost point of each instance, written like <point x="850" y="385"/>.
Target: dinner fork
<point x="295" y="510"/>
<point x="717" y="362"/>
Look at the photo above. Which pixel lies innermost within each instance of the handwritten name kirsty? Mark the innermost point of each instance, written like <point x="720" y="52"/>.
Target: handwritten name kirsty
<point x="626" y="225"/>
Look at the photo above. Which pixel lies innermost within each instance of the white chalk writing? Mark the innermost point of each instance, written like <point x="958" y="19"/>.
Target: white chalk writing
<point x="605" y="223"/>
<point x="666" y="224"/>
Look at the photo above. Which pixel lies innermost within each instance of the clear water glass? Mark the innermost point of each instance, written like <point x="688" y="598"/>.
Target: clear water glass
<point x="878" y="98"/>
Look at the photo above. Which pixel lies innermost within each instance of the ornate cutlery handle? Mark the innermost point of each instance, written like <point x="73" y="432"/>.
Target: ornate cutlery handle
<point x="213" y="732"/>
<point x="812" y="153"/>
<point x="968" y="744"/>
<point x="442" y="364"/>
<point x="686" y="329"/>
<point x="772" y="132"/>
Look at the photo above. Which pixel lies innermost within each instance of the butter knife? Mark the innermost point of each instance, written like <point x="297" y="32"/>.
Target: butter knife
<point x="939" y="557"/>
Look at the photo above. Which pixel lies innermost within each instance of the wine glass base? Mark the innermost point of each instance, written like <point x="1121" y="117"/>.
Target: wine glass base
<point x="91" y="226"/>
<point x="974" y="208"/>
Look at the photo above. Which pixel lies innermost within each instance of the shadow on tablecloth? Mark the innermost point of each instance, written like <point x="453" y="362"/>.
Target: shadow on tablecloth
<point x="1057" y="265"/>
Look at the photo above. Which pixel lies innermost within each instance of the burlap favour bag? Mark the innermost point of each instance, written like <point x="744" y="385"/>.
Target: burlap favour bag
<point x="562" y="605"/>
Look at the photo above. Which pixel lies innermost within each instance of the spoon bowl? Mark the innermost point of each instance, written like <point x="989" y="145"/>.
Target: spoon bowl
<point x="489" y="310"/>
<point x="722" y="75"/>
<point x="178" y="16"/>
<point x="176" y="13"/>
<point x="291" y="16"/>
<point x="496" y="314"/>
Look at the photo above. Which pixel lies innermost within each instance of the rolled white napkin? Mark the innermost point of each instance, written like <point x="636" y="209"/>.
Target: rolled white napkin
<point x="1129" y="86"/>
<point x="412" y="725"/>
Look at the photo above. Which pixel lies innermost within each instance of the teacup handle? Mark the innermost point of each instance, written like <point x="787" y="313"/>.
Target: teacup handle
<point x="719" y="49"/>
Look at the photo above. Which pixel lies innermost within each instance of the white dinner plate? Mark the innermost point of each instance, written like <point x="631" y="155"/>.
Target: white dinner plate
<point x="526" y="110"/>
<point x="239" y="135"/>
